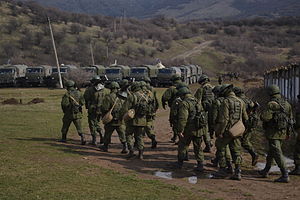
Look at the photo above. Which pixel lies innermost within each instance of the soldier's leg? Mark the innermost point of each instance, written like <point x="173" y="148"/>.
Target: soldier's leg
<point x="107" y="135"/>
<point x="92" y="124"/>
<point x="139" y="135"/>
<point x="275" y="145"/>
<point x="207" y="141"/>
<point x="149" y="130"/>
<point x="228" y="158"/>
<point x="183" y="146"/>
<point x="99" y="129"/>
<point x="129" y="133"/>
<point x="197" y="141"/>
<point x="246" y="144"/>
<point x="175" y="133"/>
<point x="65" y="127"/>
<point x="296" y="171"/>
<point x="221" y="144"/>
<point x="121" y="132"/>
<point x="78" y="125"/>
<point x="235" y="149"/>
<point x="269" y="160"/>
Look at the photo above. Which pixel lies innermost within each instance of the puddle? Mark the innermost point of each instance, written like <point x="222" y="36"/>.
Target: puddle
<point x="165" y="175"/>
<point x="209" y="176"/>
<point x="193" y="179"/>
<point x="289" y="163"/>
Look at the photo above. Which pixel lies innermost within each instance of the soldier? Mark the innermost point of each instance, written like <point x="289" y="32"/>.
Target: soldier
<point x="71" y="105"/>
<point x="135" y="126"/>
<point x="189" y="128"/>
<point x="276" y="125"/>
<point x="231" y="111"/>
<point x="205" y="95"/>
<point x="153" y="106"/>
<point x="216" y="105"/>
<point x="112" y="101"/>
<point x="93" y="96"/>
<point x="250" y="125"/>
<point x="167" y="99"/>
<point x="296" y="171"/>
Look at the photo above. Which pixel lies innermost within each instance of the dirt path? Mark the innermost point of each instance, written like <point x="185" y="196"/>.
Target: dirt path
<point x="198" y="49"/>
<point x="163" y="158"/>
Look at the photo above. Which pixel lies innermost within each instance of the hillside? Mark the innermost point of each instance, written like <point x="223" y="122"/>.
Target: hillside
<point x="250" y="46"/>
<point x="180" y="9"/>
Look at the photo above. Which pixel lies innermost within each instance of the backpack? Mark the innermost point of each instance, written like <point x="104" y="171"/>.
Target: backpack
<point x="141" y="107"/>
<point x="208" y="97"/>
<point x="280" y="118"/>
<point x="198" y="114"/>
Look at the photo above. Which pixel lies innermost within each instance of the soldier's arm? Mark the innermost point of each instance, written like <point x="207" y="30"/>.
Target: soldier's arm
<point x="223" y="118"/>
<point x="183" y="115"/>
<point x="165" y="98"/>
<point x="106" y="104"/>
<point x="267" y="114"/>
<point x="81" y="99"/>
<point x="199" y="93"/>
<point x="86" y="96"/>
<point x="245" y="116"/>
<point x="65" y="102"/>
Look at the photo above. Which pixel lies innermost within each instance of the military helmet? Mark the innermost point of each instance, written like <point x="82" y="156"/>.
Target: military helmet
<point x="143" y="83"/>
<point x="147" y="80"/>
<point x="203" y="78"/>
<point x="181" y="85"/>
<point x="217" y="89"/>
<point x="175" y="77"/>
<point x="114" y="85"/>
<point x="124" y="83"/>
<point x="237" y="90"/>
<point x="226" y="88"/>
<point x="95" y="79"/>
<point x="135" y="86"/>
<point x="69" y="83"/>
<point x="183" y="91"/>
<point x="273" y="89"/>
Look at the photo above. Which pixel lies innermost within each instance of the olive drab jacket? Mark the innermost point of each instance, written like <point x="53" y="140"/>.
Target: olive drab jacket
<point x="231" y="111"/>
<point x="169" y="95"/>
<point x="173" y="117"/>
<point x="94" y="99"/>
<point x="108" y="102"/>
<point x="186" y="114"/>
<point x="252" y="115"/>
<point x="276" y="107"/>
<point x="72" y="103"/>
<point x="152" y="104"/>
<point x="205" y="95"/>
<point x="216" y="105"/>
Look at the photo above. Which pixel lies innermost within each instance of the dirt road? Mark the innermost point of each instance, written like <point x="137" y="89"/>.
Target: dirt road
<point x="162" y="160"/>
<point x="198" y="49"/>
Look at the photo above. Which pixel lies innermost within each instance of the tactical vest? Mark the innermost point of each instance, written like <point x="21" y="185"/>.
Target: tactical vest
<point x="280" y="117"/>
<point x="141" y="106"/>
<point x="197" y="115"/>
<point x="235" y="111"/>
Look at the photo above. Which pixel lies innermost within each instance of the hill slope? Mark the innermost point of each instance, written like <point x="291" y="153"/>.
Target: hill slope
<point x="180" y="9"/>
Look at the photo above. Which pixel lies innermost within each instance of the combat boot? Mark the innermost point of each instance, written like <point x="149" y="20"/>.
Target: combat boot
<point x="265" y="172"/>
<point x="199" y="167"/>
<point x="237" y="174"/>
<point x="214" y="162"/>
<point x="63" y="138"/>
<point x="101" y="138"/>
<point x="207" y="148"/>
<point x="186" y="157"/>
<point x="93" y="142"/>
<point x="221" y="173"/>
<point x="130" y="154"/>
<point x="179" y="164"/>
<point x="82" y="136"/>
<point x="124" y="149"/>
<point x="140" y="156"/>
<point x="296" y="171"/>
<point x="229" y="168"/>
<point x="254" y="157"/>
<point x="154" y="142"/>
<point x="104" y="148"/>
<point x="284" y="177"/>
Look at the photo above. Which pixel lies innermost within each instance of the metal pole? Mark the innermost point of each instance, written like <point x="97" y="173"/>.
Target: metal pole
<point x="55" y="52"/>
<point x="92" y="54"/>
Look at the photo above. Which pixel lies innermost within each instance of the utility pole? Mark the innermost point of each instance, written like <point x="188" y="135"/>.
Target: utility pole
<point x="55" y="53"/>
<point x="92" y="54"/>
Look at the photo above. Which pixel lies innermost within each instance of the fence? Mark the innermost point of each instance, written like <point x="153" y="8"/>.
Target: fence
<point x="287" y="78"/>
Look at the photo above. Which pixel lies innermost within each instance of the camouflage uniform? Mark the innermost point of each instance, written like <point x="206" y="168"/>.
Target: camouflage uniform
<point x="250" y="124"/>
<point x="117" y="122"/>
<point x="205" y="95"/>
<point x="167" y="99"/>
<point x="275" y="134"/>
<point x="231" y="111"/>
<point x="93" y="99"/>
<point x="71" y="105"/>
<point x="296" y="171"/>
<point x="187" y="129"/>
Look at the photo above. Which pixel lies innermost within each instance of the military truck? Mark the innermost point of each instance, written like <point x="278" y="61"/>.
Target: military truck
<point x="35" y="76"/>
<point x="11" y="75"/>
<point x="194" y="77"/>
<point x="185" y="74"/>
<point x="65" y="71"/>
<point x="164" y="75"/>
<point x="199" y="71"/>
<point x="117" y="72"/>
<point x="91" y="71"/>
<point x="140" y="72"/>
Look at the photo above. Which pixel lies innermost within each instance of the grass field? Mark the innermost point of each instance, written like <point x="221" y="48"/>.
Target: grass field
<point x="34" y="166"/>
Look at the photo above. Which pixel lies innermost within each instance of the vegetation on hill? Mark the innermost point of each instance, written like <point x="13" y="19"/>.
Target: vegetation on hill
<point x="249" y="45"/>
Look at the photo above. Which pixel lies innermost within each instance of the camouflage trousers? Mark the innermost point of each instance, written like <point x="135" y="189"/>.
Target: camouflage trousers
<point x="137" y="133"/>
<point x="93" y="120"/>
<point x="109" y="129"/>
<point x="246" y="144"/>
<point x="275" y="153"/>
<point x="66" y="125"/>
<point x="183" y="147"/>
<point x="234" y="146"/>
<point x="207" y="139"/>
<point x="228" y="157"/>
<point x="149" y="129"/>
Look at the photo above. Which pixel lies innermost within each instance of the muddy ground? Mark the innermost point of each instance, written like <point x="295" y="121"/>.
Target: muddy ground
<point x="163" y="157"/>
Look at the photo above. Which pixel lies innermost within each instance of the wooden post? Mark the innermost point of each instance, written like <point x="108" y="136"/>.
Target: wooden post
<point x="55" y="53"/>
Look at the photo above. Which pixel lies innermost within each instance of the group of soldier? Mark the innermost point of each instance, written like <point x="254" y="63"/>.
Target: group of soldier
<point x="222" y="112"/>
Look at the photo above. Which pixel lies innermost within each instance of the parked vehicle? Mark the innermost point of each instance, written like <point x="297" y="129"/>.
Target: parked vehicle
<point x="36" y="76"/>
<point x="11" y="75"/>
<point x="164" y="75"/>
<point x="65" y="71"/>
<point x="139" y="73"/>
<point x="117" y="72"/>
